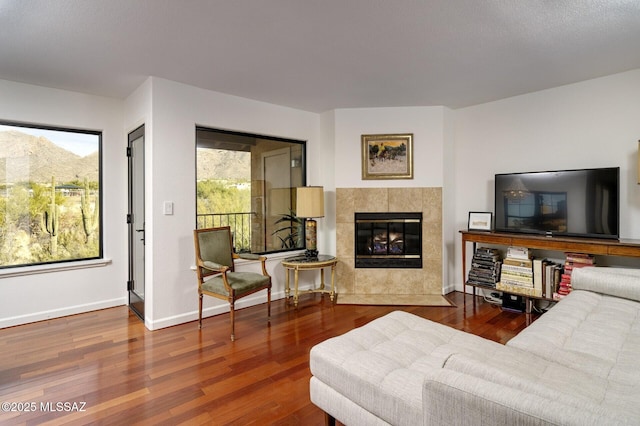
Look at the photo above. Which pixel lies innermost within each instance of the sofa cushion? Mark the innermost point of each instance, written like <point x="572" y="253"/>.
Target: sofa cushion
<point x="453" y="398"/>
<point x="382" y="366"/>
<point x="546" y="381"/>
<point x="594" y="333"/>
<point x="620" y="282"/>
<point x="532" y="375"/>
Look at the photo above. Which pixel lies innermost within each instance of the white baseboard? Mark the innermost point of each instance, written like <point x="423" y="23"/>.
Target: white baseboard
<point x="62" y="312"/>
<point x="256" y="299"/>
<point x="245" y="302"/>
<point x="449" y="288"/>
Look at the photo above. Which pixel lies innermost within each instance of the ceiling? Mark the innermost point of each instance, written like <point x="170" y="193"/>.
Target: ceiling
<point x="319" y="55"/>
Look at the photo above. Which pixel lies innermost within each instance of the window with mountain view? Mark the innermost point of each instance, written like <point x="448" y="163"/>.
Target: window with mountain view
<point x="248" y="182"/>
<point x="49" y="195"/>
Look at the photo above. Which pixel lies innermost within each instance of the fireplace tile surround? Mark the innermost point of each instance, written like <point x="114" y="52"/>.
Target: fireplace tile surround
<point x="372" y="281"/>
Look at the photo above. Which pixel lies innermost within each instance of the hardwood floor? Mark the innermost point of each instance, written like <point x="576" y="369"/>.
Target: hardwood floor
<point x="104" y="367"/>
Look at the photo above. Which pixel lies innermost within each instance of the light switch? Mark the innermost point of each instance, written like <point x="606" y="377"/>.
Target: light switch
<point x="168" y="208"/>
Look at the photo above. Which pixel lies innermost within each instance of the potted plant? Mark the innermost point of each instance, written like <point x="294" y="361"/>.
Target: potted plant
<point x="291" y="234"/>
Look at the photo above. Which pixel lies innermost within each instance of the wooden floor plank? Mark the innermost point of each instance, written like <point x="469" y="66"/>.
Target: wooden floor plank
<point x="125" y="374"/>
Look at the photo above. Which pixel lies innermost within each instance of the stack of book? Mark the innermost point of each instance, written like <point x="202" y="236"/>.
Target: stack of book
<point x="485" y="267"/>
<point x="517" y="273"/>
<point x="573" y="260"/>
<point x="546" y="276"/>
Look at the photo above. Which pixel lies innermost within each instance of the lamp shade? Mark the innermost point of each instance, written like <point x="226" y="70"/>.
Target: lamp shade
<point x="310" y="201"/>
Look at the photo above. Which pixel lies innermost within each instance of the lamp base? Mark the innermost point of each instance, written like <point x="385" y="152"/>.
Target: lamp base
<point x="310" y="232"/>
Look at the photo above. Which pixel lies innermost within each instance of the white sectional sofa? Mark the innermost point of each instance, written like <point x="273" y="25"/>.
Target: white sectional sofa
<point x="578" y="364"/>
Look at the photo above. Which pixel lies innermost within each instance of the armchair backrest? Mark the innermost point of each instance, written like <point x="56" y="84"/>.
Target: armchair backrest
<point x="214" y="245"/>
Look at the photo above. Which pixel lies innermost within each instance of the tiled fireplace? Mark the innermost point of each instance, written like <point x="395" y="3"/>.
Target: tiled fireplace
<point x="403" y="280"/>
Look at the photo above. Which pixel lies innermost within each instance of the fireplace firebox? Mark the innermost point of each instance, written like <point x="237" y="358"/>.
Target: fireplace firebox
<point x="388" y="240"/>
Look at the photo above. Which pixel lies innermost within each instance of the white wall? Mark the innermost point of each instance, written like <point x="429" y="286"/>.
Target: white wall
<point x="426" y="124"/>
<point x="177" y="109"/>
<point x="35" y="297"/>
<point x="595" y="123"/>
<point x="449" y="187"/>
<point x="326" y="177"/>
<point x="590" y="124"/>
<point x="170" y="112"/>
<point x="432" y="129"/>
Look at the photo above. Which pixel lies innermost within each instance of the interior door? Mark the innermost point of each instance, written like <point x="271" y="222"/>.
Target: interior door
<point x="135" y="221"/>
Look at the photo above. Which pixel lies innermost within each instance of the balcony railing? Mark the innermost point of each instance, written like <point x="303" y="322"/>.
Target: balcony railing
<point x="240" y="224"/>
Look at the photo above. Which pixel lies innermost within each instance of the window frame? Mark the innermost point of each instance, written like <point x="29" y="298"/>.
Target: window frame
<point x="301" y="163"/>
<point x="71" y="263"/>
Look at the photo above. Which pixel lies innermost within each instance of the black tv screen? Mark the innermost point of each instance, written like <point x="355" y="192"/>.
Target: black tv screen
<point x="582" y="203"/>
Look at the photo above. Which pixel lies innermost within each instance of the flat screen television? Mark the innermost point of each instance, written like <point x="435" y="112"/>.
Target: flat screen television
<point x="579" y="203"/>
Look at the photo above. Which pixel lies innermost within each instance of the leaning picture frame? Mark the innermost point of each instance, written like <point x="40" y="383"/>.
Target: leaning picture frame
<point x="387" y="156"/>
<point x="480" y="221"/>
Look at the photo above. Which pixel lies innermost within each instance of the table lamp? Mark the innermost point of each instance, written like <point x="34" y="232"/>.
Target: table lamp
<point x="309" y="205"/>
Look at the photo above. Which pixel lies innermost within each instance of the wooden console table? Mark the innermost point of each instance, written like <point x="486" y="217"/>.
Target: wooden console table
<point x="602" y="247"/>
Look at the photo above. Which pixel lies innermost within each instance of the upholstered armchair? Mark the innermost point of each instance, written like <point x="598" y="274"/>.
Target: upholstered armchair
<point x="216" y="273"/>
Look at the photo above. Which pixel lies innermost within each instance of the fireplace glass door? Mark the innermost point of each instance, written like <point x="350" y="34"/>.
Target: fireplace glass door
<point x="388" y="240"/>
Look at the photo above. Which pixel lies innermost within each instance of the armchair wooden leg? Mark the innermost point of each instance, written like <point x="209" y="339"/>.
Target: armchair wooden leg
<point x="200" y="313"/>
<point x="269" y="304"/>
<point x="233" y="320"/>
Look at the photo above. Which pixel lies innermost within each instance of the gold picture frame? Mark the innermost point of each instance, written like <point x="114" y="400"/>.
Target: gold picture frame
<point x="388" y="156"/>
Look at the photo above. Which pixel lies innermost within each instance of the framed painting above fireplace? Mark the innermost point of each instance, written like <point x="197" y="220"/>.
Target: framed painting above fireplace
<point x="388" y="156"/>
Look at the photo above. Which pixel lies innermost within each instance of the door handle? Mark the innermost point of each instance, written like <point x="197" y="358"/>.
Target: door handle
<point x="141" y="230"/>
